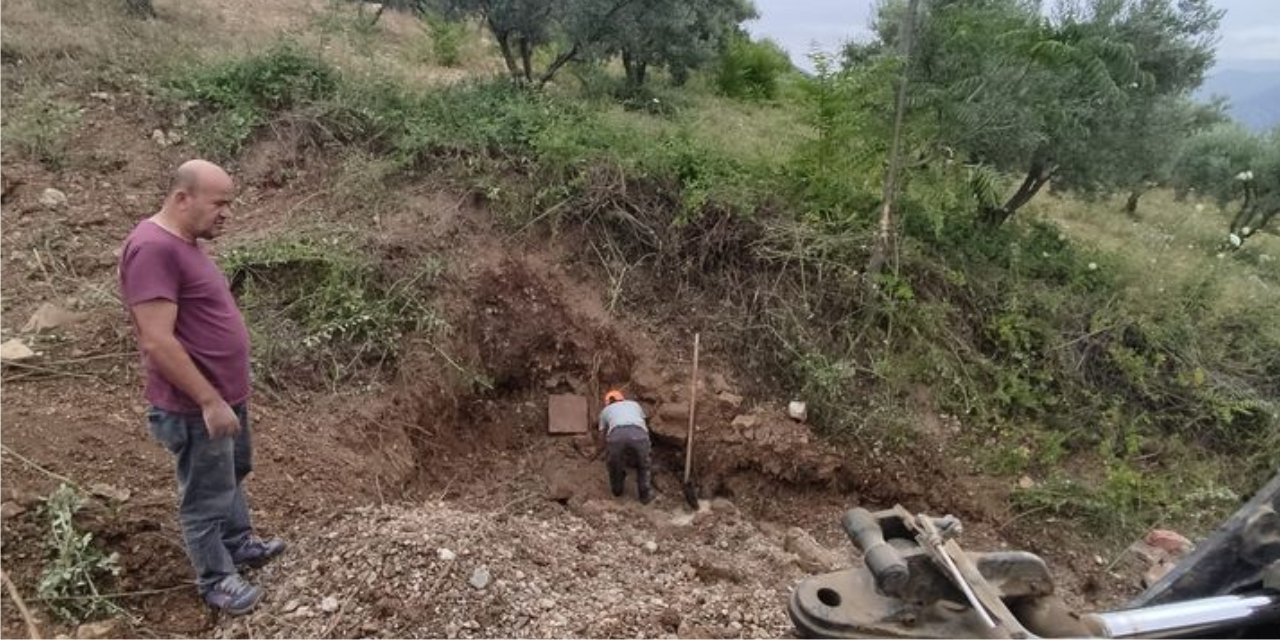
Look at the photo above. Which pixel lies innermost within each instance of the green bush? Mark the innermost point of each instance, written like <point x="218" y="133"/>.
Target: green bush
<point x="280" y="78"/>
<point x="76" y="567"/>
<point x="447" y="39"/>
<point x="595" y="83"/>
<point x="476" y="119"/>
<point x="236" y="97"/>
<point x="1127" y="500"/>
<point x="749" y="69"/>
<point x="493" y="117"/>
<point x="323" y="311"/>
<point x="39" y="125"/>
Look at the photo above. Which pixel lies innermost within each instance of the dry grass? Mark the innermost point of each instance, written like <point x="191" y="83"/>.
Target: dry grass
<point x="1172" y="245"/>
<point x="75" y="42"/>
<point x="398" y="45"/>
<point x="84" y="43"/>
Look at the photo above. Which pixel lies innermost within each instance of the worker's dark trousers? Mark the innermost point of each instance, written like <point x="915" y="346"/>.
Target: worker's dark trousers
<point x="629" y="447"/>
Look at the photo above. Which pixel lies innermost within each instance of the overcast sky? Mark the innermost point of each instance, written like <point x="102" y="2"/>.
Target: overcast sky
<point x="1250" y="32"/>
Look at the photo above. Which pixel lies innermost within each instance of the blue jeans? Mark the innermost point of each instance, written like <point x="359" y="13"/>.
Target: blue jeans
<point x="212" y="508"/>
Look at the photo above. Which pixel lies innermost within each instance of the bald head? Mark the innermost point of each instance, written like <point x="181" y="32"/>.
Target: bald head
<point x="199" y="200"/>
<point x="193" y="174"/>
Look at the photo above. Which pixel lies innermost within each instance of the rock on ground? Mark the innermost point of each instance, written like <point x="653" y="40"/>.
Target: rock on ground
<point x="329" y="604"/>
<point x="14" y="350"/>
<point x="51" y="316"/>
<point x="53" y="198"/>
<point x="480" y="578"/>
<point x="110" y="628"/>
<point x="810" y="556"/>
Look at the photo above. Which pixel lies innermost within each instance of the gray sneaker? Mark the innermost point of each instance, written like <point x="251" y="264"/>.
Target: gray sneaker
<point x="233" y="595"/>
<point x="256" y="552"/>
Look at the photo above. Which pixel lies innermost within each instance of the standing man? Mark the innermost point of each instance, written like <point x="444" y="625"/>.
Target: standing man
<point x="627" y="437"/>
<point x="195" y="350"/>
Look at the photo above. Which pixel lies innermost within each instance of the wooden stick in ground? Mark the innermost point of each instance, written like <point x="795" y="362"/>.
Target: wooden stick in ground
<point x="693" y="403"/>
<point x="22" y="606"/>
<point x="885" y="236"/>
<point x="27" y="461"/>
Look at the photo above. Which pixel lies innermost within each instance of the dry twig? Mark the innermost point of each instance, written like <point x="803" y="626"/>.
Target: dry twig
<point x="32" y="628"/>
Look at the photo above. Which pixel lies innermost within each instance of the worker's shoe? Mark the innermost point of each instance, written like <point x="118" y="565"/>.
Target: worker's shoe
<point x="646" y="496"/>
<point x="256" y="552"/>
<point x="233" y="595"/>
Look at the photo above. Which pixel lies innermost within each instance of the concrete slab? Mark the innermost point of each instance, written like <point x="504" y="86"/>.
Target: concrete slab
<point x="566" y="414"/>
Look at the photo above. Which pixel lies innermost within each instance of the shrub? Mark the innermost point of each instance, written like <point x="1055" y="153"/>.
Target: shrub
<point x="446" y="41"/>
<point x="749" y="69"/>
<point x="282" y="77"/>
<point x="1127" y="500"/>
<point x="236" y="97"/>
<point x="320" y="306"/>
<point x="595" y="83"/>
<point x="38" y="127"/>
<point x="69" y="583"/>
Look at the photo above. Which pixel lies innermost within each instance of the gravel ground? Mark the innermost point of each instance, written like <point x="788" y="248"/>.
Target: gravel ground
<point x="601" y="568"/>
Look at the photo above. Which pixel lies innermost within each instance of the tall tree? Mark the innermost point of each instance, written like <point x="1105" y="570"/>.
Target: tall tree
<point x="1234" y="168"/>
<point x="579" y="28"/>
<point x="1132" y="143"/>
<point x="1153" y="130"/>
<point x="1208" y="162"/>
<point x="1260" y="186"/>
<point x="679" y="35"/>
<point x="1044" y="97"/>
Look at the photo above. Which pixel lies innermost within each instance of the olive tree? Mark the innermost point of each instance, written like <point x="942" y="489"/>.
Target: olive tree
<point x="577" y="29"/>
<point x="678" y="35"/>
<point x="1064" y="98"/>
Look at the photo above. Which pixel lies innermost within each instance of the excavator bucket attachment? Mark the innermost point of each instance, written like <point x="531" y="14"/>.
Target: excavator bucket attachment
<point x="915" y="581"/>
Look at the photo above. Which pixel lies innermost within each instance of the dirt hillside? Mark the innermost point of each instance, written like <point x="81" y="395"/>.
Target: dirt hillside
<point x="417" y="505"/>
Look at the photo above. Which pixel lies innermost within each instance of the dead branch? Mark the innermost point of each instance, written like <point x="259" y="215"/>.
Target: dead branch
<point x="32" y="628"/>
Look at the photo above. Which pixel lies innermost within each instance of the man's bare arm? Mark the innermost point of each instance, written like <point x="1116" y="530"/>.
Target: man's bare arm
<point x="155" y="320"/>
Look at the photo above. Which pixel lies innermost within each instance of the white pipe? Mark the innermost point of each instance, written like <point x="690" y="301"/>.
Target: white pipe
<point x="1180" y="619"/>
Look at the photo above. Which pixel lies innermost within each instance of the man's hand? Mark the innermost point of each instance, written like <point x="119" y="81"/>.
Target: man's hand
<point x="601" y="444"/>
<point x="220" y="420"/>
<point x="155" y="320"/>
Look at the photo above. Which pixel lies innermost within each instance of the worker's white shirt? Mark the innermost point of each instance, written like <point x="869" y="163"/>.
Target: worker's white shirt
<point x="621" y="413"/>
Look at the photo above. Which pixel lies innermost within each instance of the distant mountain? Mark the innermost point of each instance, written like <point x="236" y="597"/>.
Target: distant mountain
<point x="1254" y="95"/>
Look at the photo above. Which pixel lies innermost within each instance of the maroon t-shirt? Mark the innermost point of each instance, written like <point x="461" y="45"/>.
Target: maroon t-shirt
<point x="158" y="265"/>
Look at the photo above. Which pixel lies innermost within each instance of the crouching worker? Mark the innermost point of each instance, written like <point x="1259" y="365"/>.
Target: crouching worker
<point x="627" y="438"/>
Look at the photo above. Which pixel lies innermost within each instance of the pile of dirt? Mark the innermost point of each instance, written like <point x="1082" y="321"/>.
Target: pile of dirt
<point x="602" y="569"/>
<point x="526" y="335"/>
